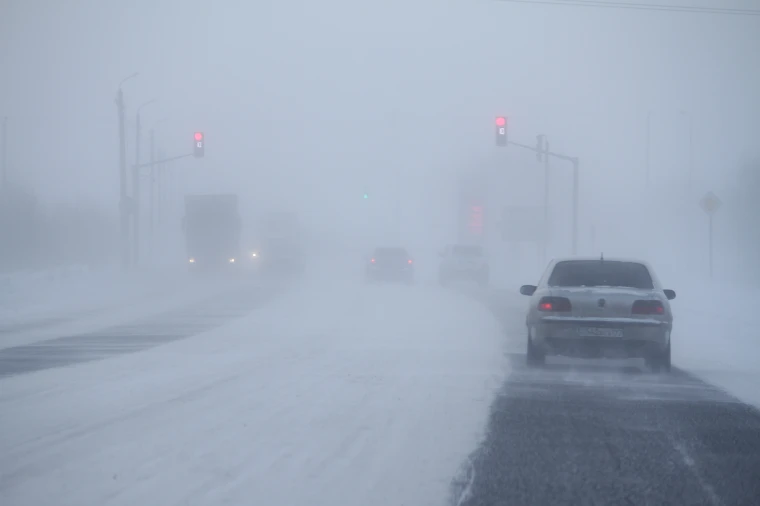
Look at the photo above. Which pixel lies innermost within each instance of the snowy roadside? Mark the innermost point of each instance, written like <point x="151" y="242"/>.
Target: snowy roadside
<point x="29" y="295"/>
<point x="48" y="305"/>
<point x="716" y="337"/>
<point x="337" y="394"/>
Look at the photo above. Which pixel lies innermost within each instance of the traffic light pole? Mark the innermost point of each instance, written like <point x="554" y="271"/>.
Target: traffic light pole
<point x="136" y="196"/>
<point x="163" y="160"/>
<point x="4" y="160"/>
<point x="576" y="177"/>
<point x="150" y="186"/>
<point x="123" y="202"/>
<point x="153" y="172"/>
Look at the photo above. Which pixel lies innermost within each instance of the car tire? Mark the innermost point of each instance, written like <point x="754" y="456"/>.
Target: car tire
<point x="660" y="362"/>
<point x="534" y="356"/>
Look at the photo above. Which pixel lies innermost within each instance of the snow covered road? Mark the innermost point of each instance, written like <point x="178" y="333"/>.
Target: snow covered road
<point x="332" y="394"/>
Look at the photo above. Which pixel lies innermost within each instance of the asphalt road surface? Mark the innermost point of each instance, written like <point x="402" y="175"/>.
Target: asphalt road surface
<point x="133" y="336"/>
<point x="601" y="435"/>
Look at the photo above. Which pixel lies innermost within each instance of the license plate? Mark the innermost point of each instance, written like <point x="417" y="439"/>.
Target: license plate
<point x="599" y="332"/>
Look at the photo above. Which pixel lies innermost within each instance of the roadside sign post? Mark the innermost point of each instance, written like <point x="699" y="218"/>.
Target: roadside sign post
<point x="710" y="204"/>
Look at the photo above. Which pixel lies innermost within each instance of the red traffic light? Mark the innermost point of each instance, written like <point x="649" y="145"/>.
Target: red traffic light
<point x="501" y="121"/>
<point x="199" y="147"/>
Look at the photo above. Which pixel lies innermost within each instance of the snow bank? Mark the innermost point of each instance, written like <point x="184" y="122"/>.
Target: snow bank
<point x="336" y="394"/>
<point x="716" y="337"/>
<point x="30" y="293"/>
<point x="39" y="306"/>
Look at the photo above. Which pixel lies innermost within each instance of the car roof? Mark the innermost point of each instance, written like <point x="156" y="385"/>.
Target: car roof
<point x="599" y="258"/>
<point x="390" y="248"/>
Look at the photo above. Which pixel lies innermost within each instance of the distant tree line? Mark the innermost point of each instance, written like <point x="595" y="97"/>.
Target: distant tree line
<point x="38" y="236"/>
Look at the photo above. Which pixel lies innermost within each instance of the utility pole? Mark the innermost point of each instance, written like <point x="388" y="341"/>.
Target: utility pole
<point x="397" y="218"/>
<point x="710" y="240"/>
<point x="136" y="196"/>
<point x="691" y="152"/>
<point x="123" y="199"/>
<point x="123" y="204"/>
<point x="576" y="176"/>
<point x="542" y="154"/>
<point x="160" y="189"/>
<point x="691" y="147"/>
<point x="576" y="182"/>
<point x="649" y="149"/>
<point x="151" y="183"/>
<point x="546" y="196"/>
<point x="4" y="161"/>
<point x="136" y="188"/>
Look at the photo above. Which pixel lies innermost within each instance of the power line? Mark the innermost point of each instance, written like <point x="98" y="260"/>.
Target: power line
<point x="641" y="6"/>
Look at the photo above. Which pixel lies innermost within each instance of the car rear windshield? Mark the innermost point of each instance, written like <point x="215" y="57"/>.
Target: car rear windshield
<point x="391" y="253"/>
<point x="601" y="273"/>
<point x="467" y="251"/>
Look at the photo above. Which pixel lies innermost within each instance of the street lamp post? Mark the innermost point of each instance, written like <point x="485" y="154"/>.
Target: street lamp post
<point x="649" y="149"/>
<point x="691" y="146"/>
<point x="151" y="179"/>
<point x="136" y="188"/>
<point x="123" y="200"/>
<point x="4" y="160"/>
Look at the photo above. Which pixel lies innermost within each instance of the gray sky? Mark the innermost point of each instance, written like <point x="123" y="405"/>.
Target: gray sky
<point x="310" y="104"/>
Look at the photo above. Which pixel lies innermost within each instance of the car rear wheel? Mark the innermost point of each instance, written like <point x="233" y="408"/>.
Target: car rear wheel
<point x="660" y="362"/>
<point x="534" y="356"/>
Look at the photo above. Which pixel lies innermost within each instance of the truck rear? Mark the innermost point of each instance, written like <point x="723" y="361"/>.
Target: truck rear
<point x="212" y="231"/>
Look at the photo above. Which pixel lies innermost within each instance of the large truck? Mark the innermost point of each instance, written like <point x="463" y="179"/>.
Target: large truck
<point x="212" y="231"/>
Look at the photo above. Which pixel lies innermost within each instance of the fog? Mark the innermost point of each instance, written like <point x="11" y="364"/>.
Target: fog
<point x="306" y="107"/>
<point x="240" y="339"/>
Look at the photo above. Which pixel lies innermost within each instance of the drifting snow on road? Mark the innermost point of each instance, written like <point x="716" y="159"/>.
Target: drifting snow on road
<point x="331" y="395"/>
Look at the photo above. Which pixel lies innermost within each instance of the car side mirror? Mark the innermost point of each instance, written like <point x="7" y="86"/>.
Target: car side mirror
<point x="528" y="289"/>
<point x="670" y="294"/>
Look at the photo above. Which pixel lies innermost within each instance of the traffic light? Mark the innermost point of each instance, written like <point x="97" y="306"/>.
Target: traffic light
<point x="501" y="131"/>
<point x="200" y="145"/>
<point x="475" y="219"/>
<point x="365" y="196"/>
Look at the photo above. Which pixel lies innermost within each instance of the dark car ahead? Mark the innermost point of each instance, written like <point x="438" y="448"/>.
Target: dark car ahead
<point x="390" y="264"/>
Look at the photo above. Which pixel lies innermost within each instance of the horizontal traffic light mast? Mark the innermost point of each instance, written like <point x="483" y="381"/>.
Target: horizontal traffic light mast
<point x="199" y="150"/>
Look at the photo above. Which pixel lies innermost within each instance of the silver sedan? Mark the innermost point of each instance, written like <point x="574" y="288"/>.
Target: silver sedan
<point x="598" y="307"/>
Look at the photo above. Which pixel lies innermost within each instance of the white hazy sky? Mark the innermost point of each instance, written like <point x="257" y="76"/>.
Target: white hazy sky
<point x="309" y="104"/>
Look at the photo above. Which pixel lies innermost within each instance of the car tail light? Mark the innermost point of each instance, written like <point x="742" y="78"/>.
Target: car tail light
<point x="648" y="307"/>
<point x="409" y="261"/>
<point x="554" y="304"/>
<point x="373" y="260"/>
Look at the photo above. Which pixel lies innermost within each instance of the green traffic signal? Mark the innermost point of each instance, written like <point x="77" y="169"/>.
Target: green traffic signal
<point x="366" y="195"/>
